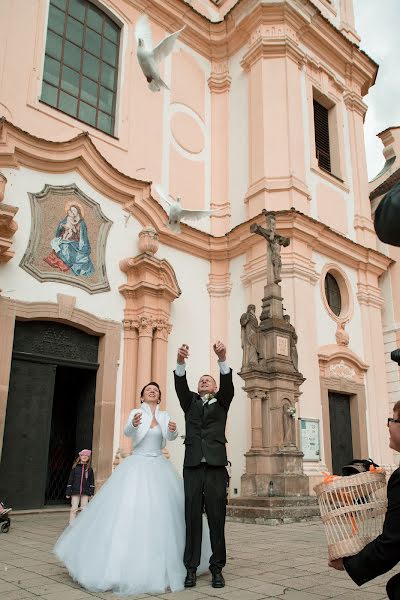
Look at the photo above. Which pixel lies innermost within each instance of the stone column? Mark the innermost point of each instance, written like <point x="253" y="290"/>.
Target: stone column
<point x="277" y="176"/>
<point x="144" y="374"/>
<point x="128" y="397"/>
<point x="150" y="289"/>
<point x="347" y="25"/>
<point x="161" y="332"/>
<point x="356" y="109"/>
<point x="257" y="398"/>
<point x="219" y="288"/>
<point x="219" y="83"/>
<point x="371" y="302"/>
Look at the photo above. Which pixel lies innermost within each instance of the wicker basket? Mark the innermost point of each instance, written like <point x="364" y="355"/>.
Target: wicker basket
<point x="352" y="510"/>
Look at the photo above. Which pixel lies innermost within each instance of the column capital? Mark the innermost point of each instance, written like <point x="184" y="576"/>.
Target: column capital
<point x="219" y="81"/>
<point x="219" y="285"/>
<point x="354" y="103"/>
<point x="162" y="329"/>
<point x="264" y="46"/>
<point x="145" y="326"/>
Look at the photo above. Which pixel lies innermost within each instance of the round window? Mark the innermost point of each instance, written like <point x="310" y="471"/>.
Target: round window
<point x="333" y="295"/>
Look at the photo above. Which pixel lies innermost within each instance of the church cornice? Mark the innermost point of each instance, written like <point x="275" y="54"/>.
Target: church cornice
<point x="20" y="149"/>
<point x="222" y="39"/>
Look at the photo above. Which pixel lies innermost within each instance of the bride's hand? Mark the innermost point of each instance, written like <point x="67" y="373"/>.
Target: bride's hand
<point x="137" y="419"/>
<point x="172" y="426"/>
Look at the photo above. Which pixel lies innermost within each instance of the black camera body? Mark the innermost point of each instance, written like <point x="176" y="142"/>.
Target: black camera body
<point x="395" y="356"/>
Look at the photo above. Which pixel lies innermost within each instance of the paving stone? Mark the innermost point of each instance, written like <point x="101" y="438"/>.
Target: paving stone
<point x="285" y="561"/>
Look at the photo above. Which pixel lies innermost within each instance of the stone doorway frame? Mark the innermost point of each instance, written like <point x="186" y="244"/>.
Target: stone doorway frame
<point x="109" y="333"/>
<point x="342" y="372"/>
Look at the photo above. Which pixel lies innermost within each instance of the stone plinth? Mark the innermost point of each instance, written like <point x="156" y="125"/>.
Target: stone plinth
<point x="273" y="511"/>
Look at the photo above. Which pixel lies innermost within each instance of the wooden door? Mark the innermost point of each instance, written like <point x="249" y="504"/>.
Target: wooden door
<point x="23" y="466"/>
<point x="341" y="437"/>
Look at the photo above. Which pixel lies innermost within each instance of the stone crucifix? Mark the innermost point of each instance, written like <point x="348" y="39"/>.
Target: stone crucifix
<point x="274" y="243"/>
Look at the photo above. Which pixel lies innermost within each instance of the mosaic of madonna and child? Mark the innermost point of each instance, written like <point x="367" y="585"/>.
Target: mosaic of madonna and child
<point x="68" y="238"/>
<point x="71" y="245"/>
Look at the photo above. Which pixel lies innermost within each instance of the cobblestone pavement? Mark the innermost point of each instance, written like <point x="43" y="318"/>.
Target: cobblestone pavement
<point x="286" y="561"/>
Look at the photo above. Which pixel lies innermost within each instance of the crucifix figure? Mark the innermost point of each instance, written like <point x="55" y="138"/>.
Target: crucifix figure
<point x="274" y="243"/>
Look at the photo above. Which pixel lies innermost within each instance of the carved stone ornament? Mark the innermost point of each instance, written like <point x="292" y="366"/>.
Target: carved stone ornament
<point x="342" y="337"/>
<point x="148" y="240"/>
<point x="340" y="369"/>
<point x="68" y="239"/>
<point x="8" y="226"/>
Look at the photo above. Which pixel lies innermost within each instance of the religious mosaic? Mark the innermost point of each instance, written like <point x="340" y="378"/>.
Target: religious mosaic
<point x="68" y="239"/>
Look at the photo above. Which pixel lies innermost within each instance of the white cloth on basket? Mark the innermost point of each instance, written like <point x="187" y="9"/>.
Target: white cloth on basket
<point x="131" y="537"/>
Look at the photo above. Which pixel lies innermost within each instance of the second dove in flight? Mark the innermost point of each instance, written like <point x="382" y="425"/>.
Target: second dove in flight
<point x="176" y="212"/>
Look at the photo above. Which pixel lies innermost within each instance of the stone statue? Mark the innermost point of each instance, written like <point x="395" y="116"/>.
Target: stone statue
<point x="249" y="337"/>
<point x="288" y="424"/>
<point x="274" y="243"/>
<point x="293" y="341"/>
<point x="342" y="337"/>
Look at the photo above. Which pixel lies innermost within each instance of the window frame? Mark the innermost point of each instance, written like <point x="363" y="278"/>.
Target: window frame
<point x="332" y="287"/>
<point x="336" y="116"/>
<point x="347" y="296"/>
<point x="111" y="113"/>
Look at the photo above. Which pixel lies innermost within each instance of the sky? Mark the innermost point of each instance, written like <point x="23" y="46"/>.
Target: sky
<point x="378" y="24"/>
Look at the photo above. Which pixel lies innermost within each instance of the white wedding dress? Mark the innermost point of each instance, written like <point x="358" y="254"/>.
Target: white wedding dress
<point x="131" y="536"/>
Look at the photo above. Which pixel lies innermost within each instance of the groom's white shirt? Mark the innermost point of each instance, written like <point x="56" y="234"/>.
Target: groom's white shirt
<point x="137" y="433"/>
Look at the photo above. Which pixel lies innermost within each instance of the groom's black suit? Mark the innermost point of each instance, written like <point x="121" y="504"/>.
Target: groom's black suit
<point x="205" y="482"/>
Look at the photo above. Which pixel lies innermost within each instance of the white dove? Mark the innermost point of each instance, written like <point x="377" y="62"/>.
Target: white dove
<point x="176" y="212"/>
<point x="149" y="57"/>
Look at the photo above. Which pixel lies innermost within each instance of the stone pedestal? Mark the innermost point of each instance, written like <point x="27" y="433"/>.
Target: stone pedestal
<point x="273" y="455"/>
<point x="273" y="387"/>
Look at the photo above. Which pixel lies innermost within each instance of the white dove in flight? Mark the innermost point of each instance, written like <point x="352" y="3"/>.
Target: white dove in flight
<point x="176" y="212"/>
<point x="149" y="57"/>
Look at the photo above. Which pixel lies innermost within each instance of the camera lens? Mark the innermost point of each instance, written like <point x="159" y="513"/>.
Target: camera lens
<point x="395" y="355"/>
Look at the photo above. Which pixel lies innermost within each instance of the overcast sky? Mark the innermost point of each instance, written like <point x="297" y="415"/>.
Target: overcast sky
<point x="378" y="25"/>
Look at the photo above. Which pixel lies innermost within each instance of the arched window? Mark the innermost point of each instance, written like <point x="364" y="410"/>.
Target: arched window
<point x="81" y="63"/>
<point x="332" y="293"/>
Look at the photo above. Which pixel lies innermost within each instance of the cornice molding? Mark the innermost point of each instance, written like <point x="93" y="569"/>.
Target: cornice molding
<point x="20" y="149"/>
<point x="272" y="48"/>
<point x="354" y="102"/>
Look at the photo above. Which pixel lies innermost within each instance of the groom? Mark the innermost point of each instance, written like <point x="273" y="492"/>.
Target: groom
<point x="204" y="474"/>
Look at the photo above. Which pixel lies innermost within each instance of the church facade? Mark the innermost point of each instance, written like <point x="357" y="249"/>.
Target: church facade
<point x="264" y="111"/>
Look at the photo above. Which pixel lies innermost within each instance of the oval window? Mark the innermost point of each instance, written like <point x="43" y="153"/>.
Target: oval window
<point x="332" y="293"/>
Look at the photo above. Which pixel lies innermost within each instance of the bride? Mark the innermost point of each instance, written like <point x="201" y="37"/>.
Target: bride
<point x="131" y="537"/>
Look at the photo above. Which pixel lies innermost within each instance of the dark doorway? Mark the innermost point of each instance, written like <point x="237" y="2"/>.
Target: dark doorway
<point x="340" y="425"/>
<point x="50" y="410"/>
<point x="71" y="426"/>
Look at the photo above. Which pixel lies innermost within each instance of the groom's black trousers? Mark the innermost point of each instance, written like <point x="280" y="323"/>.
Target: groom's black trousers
<point x="205" y="486"/>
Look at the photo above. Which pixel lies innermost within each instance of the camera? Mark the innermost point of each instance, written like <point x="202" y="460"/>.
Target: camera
<point x="395" y="356"/>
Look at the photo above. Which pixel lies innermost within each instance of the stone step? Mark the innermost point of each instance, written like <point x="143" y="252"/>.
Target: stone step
<point x="272" y="501"/>
<point x="272" y="515"/>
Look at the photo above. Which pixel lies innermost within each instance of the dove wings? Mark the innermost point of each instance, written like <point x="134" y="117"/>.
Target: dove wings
<point x="150" y="57"/>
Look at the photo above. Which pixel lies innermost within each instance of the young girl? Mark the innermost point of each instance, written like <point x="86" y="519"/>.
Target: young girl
<point x="81" y="483"/>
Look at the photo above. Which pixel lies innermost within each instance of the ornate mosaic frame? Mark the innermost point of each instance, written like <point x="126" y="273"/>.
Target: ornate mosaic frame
<point x="68" y="239"/>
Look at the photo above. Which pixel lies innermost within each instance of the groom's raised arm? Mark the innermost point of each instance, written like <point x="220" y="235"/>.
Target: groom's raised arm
<point x="226" y="390"/>
<point x="181" y="387"/>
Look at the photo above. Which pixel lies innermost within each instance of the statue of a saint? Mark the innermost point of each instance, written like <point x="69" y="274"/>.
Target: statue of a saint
<point x="249" y="337"/>
<point x="342" y="337"/>
<point x="274" y="243"/>
<point x="288" y="424"/>
<point x="293" y="341"/>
